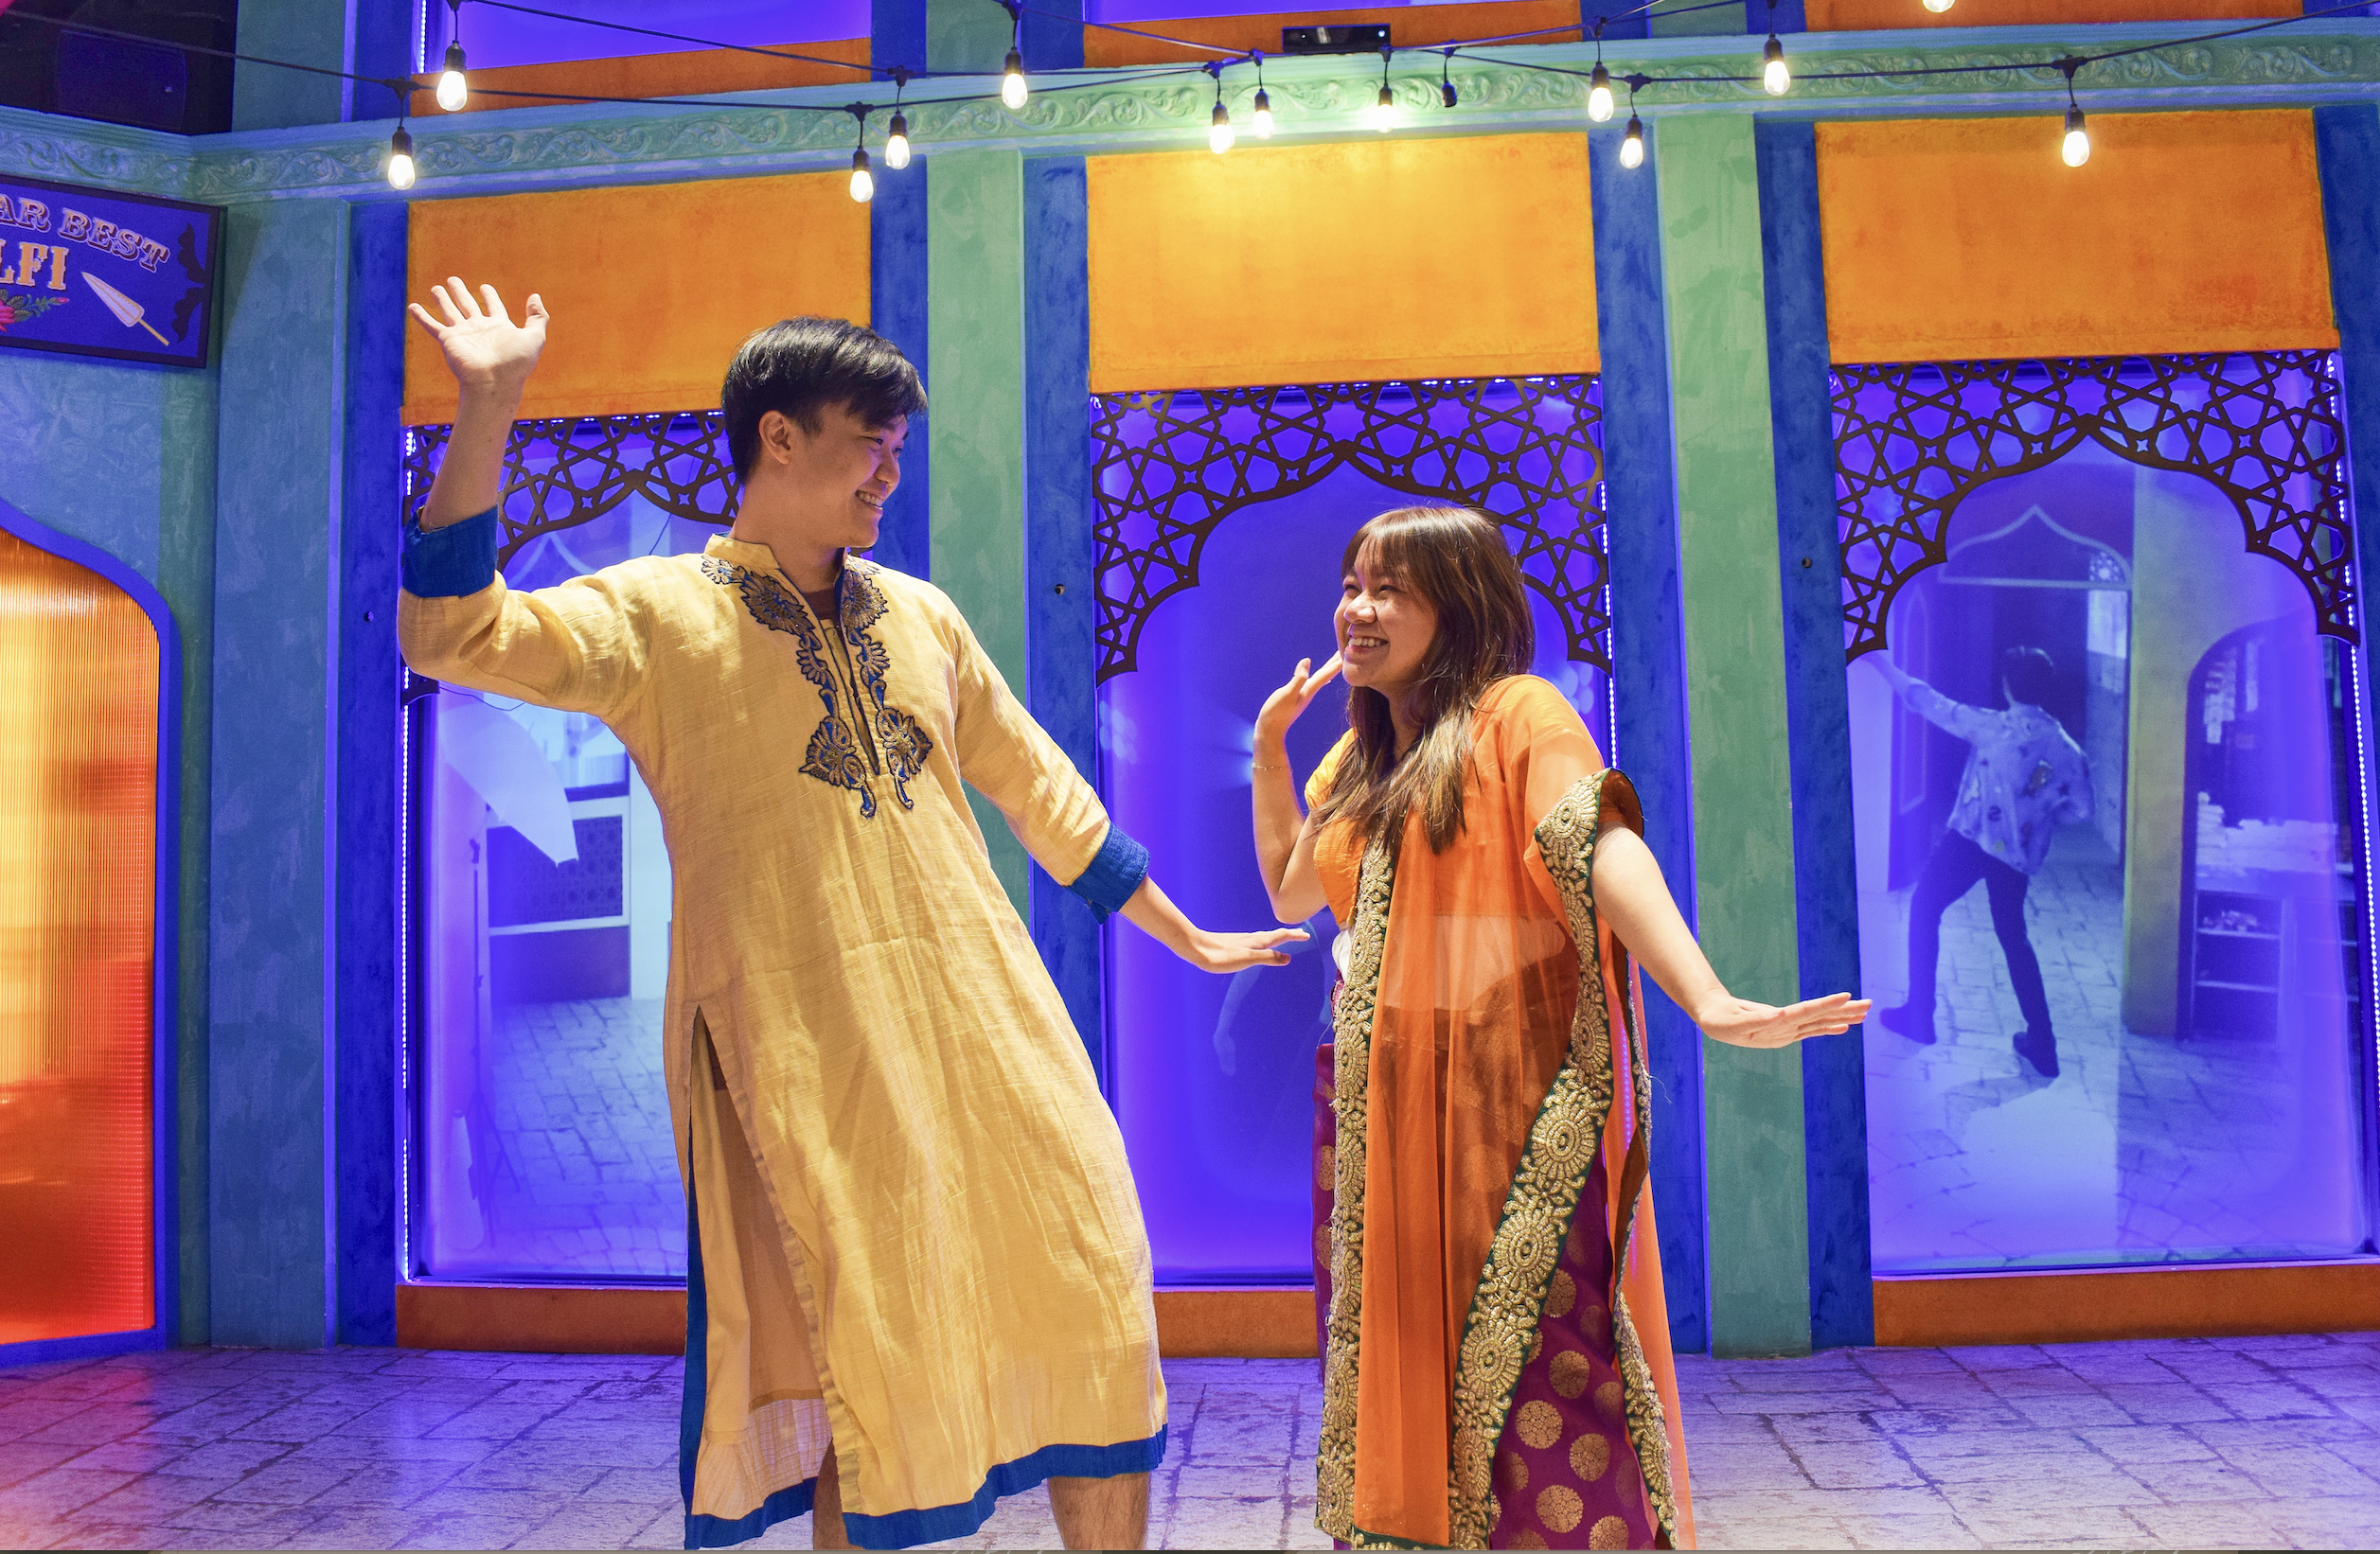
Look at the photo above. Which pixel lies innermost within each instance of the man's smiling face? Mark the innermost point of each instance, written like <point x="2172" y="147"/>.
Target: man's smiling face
<point x="838" y="477"/>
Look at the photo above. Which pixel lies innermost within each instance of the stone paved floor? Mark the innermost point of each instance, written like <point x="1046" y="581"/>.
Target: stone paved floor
<point x="2235" y="1443"/>
<point x="2143" y="1149"/>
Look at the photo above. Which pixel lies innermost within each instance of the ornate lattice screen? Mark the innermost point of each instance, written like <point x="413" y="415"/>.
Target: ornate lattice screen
<point x="1169" y="466"/>
<point x="561" y="473"/>
<point x="1912" y="440"/>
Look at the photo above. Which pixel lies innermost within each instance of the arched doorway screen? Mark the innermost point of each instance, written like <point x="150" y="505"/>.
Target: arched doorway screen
<point x="573" y="469"/>
<point x="1914" y="439"/>
<point x="1172" y="464"/>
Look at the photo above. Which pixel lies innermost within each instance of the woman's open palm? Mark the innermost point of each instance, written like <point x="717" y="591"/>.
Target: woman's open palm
<point x="482" y="346"/>
<point x="1281" y="707"/>
<point x="1739" y="1022"/>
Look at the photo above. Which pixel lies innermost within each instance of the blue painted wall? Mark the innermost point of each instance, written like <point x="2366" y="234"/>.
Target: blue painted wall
<point x="122" y="457"/>
<point x="277" y="492"/>
<point x="2347" y="145"/>
<point x="898" y="311"/>
<point x="1061" y="610"/>
<point x="1648" y="671"/>
<point x="1818" y="718"/>
<point x="364" y="1179"/>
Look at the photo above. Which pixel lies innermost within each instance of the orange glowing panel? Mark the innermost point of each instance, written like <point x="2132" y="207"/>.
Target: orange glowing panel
<point x="1956" y="239"/>
<point x="1409" y="26"/>
<point x="1879" y="15"/>
<point x="77" y="892"/>
<point x="1466" y="256"/>
<point x="652" y="287"/>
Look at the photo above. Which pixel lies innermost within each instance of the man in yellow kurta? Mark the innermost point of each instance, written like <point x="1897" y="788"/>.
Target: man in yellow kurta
<point x="918" y="1274"/>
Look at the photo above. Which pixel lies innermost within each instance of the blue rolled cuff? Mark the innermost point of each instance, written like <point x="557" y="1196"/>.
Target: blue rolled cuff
<point x="1114" y="876"/>
<point x="452" y="563"/>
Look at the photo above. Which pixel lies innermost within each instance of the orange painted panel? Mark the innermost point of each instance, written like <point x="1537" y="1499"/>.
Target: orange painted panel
<point x="1409" y="27"/>
<point x="77" y="950"/>
<point x="1957" y="238"/>
<point x="1877" y="16"/>
<point x="1353" y="261"/>
<point x="2073" y="1308"/>
<point x="652" y="287"/>
<point x="691" y="73"/>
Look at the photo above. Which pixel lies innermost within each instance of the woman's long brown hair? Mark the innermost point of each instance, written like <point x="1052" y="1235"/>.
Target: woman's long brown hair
<point x="1457" y="560"/>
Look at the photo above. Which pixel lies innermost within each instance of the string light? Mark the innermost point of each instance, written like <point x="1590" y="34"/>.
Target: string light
<point x="1445" y="83"/>
<point x="1383" y="116"/>
<point x="1632" y="147"/>
<point x="2075" y="147"/>
<point x="1261" y="120"/>
<point x="1938" y="7"/>
<point x="1220" y="133"/>
<point x="896" y="137"/>
<point x="1774" y="74"/>
<point x="1012" y="89"/>
<point x="1599" y="95"/>
<point x="401" y="168"/>
<point x="454" y="90"/>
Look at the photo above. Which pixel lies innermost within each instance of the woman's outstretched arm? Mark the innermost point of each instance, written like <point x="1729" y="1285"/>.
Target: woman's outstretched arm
<point x="1633" y="897"/>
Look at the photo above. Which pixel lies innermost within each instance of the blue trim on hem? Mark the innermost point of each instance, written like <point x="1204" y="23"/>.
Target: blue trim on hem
<point x="905" y="1528"/>
<point x="453" y="562"/>
<point x="1114" y="876"/>
<point x="718" y="1532"/>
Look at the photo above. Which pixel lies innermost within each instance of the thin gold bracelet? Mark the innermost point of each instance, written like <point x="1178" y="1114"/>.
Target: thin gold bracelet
<point x="1283" y="768"/>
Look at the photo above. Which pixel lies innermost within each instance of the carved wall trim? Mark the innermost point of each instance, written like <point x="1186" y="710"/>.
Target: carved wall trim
<point x="1324" y="97"/>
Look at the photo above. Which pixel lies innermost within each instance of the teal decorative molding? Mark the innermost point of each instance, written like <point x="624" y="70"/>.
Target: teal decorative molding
<point x="1312" y="99"/>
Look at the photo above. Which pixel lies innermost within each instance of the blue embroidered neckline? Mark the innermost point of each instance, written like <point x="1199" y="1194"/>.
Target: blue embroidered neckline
<point x="834" y="756"/>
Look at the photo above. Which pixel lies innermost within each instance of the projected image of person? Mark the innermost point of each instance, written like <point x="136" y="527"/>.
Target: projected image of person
<point x="1498" y="1370"/>
<point x="918" y="1278"/>
<point x="2025" y="777"/>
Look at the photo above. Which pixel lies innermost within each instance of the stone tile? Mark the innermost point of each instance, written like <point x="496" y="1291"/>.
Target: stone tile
<point x="2208" y="1526"/>
<point x="20" y="1460"/>
<point x="291" y="1483"/>
<point x="155" y="1498"/>
<point x="2326" y="1523"/>
<point x="2148" y="1444"/>
<point x="492" y="1421"/>
<point x="2070" y="1412"/>
<point x="1807" y="1532"/>
<point x="1862" y="1399"/>
<point x="2307" y="1472"/>
<point x="1942" y="1389"/>
<point x="1232" y="1481"/>
<point x="468" y="1529"/>
<point x="2021" y="1466"/>
<point x="2269" y="1399"/>
<point x="2001" y="1357"/>
<point x="1850" y="1468"/>
<point x="2068" y="1493"/>
<point x="2170" y="1402"/>
<point x="1227" y="1524"/>
<point x="549" y="1466"/>
<point x="597" y="1524"/>
<point x="63" y="1490"/>
<point x="1917" y="1530"/>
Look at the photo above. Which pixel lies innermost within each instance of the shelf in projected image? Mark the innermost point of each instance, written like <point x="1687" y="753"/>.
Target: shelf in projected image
<point x="2103" y="568"/>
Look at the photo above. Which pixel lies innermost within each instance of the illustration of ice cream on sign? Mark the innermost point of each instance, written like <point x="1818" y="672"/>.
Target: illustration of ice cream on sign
<point x="127" y="311"/>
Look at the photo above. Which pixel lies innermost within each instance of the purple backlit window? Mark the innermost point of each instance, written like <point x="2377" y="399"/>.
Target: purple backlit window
<point x="2142" y="904"/>
<point x="1221" y="518"/>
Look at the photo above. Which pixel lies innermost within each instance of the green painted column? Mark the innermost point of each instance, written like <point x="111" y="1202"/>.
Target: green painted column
<point x="975" y="377"/>
<point x="1734" y="628"/>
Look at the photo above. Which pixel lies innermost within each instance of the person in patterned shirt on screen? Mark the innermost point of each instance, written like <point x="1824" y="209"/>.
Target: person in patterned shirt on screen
<point x="2024" y="778"/>
<point x="917" y="1276"/>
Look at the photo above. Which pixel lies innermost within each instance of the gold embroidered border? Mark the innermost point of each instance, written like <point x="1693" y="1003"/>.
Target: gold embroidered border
<point x="1648" y="1430"/>
<point x="1359" y="1000"/>
<point x="1509" y="1304"/>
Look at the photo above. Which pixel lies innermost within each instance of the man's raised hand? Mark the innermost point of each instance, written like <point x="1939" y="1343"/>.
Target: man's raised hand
<point x="484" y="349"/>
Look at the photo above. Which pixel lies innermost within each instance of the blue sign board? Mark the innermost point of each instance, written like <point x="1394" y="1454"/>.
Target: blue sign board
<point x="100" y="274"/>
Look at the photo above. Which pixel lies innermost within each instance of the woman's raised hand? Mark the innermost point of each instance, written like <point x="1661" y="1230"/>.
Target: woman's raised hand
<point x="484" y="349"/>
<point x="1740" y="1022"/>
<point x="1281" y="707"/>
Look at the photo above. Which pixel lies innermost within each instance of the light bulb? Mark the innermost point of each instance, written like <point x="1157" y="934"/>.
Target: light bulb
<point x="862" y="182"/>
<point x="1220" y="133"/>
<point x="1383" y="114"/>
<point x="1012" y="81"/>
<point x="1599" y="96"/>
<point x="1261" y="121"/>
<point x="896" y="143"/>
<point x="454" y="90"/>
<point x="1446" y="93"/>
<point x="1938" y="7"/>
<point x="1773" y="73"/>
<point x="2077" y="148"/>
<point x="400" y="168"/>
<point x="1632" y="148"/>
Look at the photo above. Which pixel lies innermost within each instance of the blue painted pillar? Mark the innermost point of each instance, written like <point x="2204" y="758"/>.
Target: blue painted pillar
<point x="897" y="310"/>
<point x="1760" y="17"/>
<point x="1061" y="616"/>
<point x="1648" y="693"/>
<point x="1818" y="718"/>
<point x="278" y="491"/>
<point x="364" y="1179"/>
<point x="1620" y="18"/>
<point x="2347" y="147"/>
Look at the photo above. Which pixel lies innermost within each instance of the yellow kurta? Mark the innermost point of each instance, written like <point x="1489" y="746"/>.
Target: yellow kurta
<point x="910" y="1142"/>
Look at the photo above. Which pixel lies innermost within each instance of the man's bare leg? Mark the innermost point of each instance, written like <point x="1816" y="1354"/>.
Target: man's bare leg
<point x="825" y="1520"/>
<point x="1102" y="1513"/>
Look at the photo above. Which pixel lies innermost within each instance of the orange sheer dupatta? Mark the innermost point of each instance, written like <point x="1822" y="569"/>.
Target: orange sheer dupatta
<point x="1477" y="986"/>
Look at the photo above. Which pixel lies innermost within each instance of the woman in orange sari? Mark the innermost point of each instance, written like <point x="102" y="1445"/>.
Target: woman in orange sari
<point x="1497" y="1372"/>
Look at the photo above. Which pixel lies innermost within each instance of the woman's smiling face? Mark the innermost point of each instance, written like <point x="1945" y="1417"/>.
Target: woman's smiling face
<point x="1385" y="630"/>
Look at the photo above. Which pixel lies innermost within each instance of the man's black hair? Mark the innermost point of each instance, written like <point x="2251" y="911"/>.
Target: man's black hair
<point x="798" y="366"/>
<point x="2031" y="678"/>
